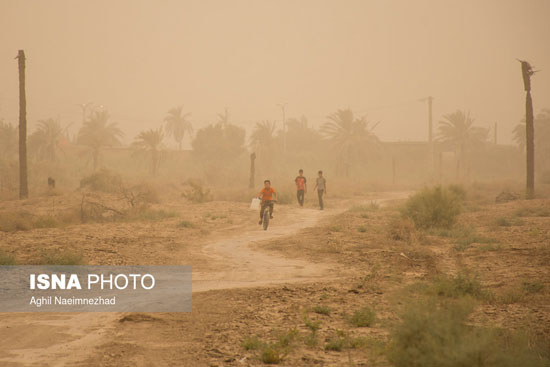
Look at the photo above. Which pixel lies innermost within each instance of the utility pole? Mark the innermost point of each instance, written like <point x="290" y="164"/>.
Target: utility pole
<point x="283" y="105"/>
<point x="23" y="185"/>
<point x="496" y="129"/>
<point x="527" y="71"/>
<point x="430" y="130"/>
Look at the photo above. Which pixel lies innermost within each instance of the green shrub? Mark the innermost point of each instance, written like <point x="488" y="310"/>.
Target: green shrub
<point x="532" y="287"/>
<point x="434" y="207"/>
<point x="103" y="180"/>
<point x="6" y="259"/>
<point x="402" y="229"/>
<point x="459" y="286"/>
<point x="540" y="211"/>
<point x="336" y="228"/>
<point x="336" y="343"/>
<point x="312" y="325"/>
<point x="286" y="339"/>
<point x="432" y="335"/>
<point x="363" y="317"/>
<point x="463" y="243"/>
<point x="46" y="222"/>
<point x="252" y="343"/>
<point x="508" y="222"/>
<point x="270" y="355"/>
<point x="323" y="310"/>
<point x="61" y="258"/>
<point x="196" y="193"/>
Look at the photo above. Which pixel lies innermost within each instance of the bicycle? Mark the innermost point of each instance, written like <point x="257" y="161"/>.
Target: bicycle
<point x="267" y="216"/>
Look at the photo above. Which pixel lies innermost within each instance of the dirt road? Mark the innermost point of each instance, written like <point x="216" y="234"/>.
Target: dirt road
<point x="64" y="339"/>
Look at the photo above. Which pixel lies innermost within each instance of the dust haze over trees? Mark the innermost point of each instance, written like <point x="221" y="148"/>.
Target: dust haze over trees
<point x="351" y="139"/>
<point x="98" y="133"/>
<point x="541" y="126"/>
<point x="177" y="124"/>
<point x="45" y="140"/>
<point x="149" y="142"/>
<point x="458" y="130"/>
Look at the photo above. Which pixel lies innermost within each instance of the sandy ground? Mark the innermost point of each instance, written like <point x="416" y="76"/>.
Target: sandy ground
<point x="222" y="259"/>
<point x="247" y="281"/>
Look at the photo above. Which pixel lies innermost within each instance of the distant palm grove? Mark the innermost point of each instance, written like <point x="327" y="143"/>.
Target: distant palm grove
<point x="344" y="146"/>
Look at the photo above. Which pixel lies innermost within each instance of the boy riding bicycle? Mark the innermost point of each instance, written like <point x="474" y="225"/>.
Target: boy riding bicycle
<point x="268" y="196"/>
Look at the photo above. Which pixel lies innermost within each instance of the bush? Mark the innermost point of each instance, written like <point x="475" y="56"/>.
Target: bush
<point x="363" y="317"/>
<point x="461" y="285"/>
<point x="252" y="343"/>
<point x="336" y="343"/>
<point x="270" y="355"/>
<point x="64" y="258"/>
<point x="402" y="229"/>
<point x="533" y="287"/>
<point x="196" y="193"/>
<point x="6" y="259"/>
<point x="103" y="180"/>
<point x="322" y="310"/>
<point x="431" y="335"/>
<point x="434" y="207"/>
<point x="540" y="211"/>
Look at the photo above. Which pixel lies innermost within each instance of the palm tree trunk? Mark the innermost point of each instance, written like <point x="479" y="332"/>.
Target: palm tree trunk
<point x="23" y="185"/>
<point x="530" y="145"/>
<point x="252" y="170"/>
<point x="526" y="72"/>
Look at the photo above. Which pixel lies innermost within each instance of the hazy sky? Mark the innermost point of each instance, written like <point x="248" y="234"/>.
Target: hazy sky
<point x="140" y="58"/>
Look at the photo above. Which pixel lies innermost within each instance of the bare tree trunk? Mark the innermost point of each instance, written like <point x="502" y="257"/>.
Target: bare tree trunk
<point x="527" y="71"/>
<point x="530" y="145"/>
<point x="23" y="185"/>
<point x="252" y="170"/>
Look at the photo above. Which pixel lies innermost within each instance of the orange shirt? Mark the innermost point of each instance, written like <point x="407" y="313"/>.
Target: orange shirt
<point x="267" y="194"/>
<point x="300" y="182"/>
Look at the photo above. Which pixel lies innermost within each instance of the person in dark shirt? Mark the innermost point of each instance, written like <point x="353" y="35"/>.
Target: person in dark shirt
<point x="321" y="186"/>
<point x="301" y="187"/>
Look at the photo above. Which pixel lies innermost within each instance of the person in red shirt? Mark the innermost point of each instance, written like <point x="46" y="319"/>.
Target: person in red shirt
<point x="301" y="187"/>
<point x="267" y="196"/>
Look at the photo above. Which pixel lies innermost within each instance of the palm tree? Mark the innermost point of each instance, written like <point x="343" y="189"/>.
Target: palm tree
<point x="177" y="124"/>
<point x="97" y="133"/>
<point x="44" y="141"/>
<point x="519" y="135"/>
<point x="262" y="141"/>
<point x="458" y="129"/>
<point x="542" y="127"/>
<point x="300" y="138"/>
<point x="350" y="137"/>
<point x="8" y="139"/>
<point x="150" y="142"/>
